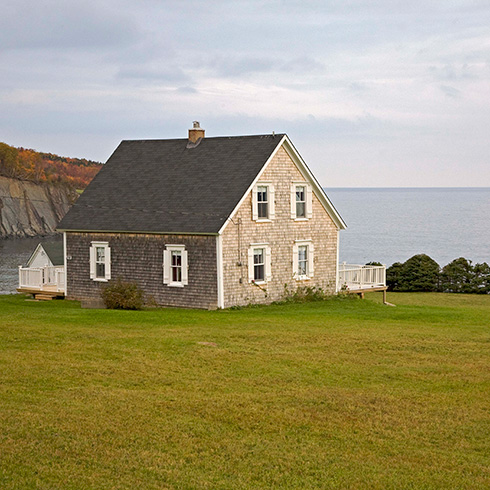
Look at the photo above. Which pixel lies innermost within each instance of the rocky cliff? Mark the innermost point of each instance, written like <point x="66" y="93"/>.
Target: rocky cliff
<point x="29" y="209"/>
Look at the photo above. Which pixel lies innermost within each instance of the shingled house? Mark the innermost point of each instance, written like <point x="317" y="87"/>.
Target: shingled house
<point x="203" y="223"/>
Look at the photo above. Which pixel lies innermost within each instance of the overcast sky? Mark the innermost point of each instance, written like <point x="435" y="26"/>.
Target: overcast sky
<point x="372" y="93"/>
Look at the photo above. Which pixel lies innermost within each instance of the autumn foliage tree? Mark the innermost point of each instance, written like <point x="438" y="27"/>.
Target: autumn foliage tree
<point x="26" y="164"/>
<point x="9" y="157"/>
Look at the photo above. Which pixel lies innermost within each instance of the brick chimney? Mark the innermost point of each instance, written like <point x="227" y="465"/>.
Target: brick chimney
<point x="196" y="133"/>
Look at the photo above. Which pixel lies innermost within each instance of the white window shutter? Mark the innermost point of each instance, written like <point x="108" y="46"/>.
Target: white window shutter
<point x="166" y="266"/>
<point x="184" y="268"/>
<point x="311" y="260"/>
<point x="107" y="262"/>
<point x="295" y="260"/>
<point x="92" y="262"/>
<point x="250" y="264"/>
<point x="293" y="201"/>
<point x="309" y="202"/>
<point x="255" y="207"/>
<point x="272" y="202"/>
<point x="268" y="264"/>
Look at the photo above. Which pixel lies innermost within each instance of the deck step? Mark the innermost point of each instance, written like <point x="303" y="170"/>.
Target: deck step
<point x="45" y="297"/>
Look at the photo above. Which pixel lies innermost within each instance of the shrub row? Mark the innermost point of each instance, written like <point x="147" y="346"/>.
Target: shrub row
<point x="421" y="273"/>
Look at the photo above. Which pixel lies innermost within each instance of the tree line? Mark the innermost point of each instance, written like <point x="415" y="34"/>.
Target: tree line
<point x="422" y="273"/>
<point x="27" y="164"/>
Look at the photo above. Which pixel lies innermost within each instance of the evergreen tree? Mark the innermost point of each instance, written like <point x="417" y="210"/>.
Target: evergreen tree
<point x="458" y="277"/>
<point x="393" y="276"/>
<point x="419" y="273"/>
<point x="481" y="278"/>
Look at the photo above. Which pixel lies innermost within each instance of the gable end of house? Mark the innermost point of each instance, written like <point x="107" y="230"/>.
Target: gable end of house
<point x="308" y="176"/>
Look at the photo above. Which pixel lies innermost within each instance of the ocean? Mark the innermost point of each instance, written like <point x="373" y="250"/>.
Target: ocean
<point x="390" y="225"/>
<point x="385" y="225"/>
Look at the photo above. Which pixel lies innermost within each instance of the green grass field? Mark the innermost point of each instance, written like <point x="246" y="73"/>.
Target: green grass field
<point x="335" y="394"/>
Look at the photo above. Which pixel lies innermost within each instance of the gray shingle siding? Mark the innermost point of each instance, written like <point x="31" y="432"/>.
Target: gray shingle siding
<point x="139" y="258"/>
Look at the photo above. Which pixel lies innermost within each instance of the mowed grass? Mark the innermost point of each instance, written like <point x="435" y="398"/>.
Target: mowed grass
<point x="335" y="394"/>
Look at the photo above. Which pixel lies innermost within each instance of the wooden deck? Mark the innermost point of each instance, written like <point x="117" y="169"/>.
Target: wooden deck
<point x="46" y="293"/>
<point x="42" y="282"/>
<point x="360" y="279"/>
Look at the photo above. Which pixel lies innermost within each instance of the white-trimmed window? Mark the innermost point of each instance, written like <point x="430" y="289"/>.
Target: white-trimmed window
<point x="263" y="205"/>
<point x="301" y="201"/>
<point x="259" y="263"/>
<point x="303" y="257"/>
<point x="100" y="261"/>
<point x="175" y="266"/>
<point x="303" y="266"/>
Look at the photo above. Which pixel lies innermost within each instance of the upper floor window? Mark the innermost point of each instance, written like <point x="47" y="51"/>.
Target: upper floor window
<point x="303" y="264"/>
<point x="301" y="201"/>
<point x="100" y="261"/>
<point x="259" y="263"/>
<point x="175" y="266"/>
<point x="262" y="201"/>
<point x="263" y="205"/>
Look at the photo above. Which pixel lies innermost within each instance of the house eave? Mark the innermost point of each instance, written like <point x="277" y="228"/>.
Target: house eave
<point x="322" y="196"/>
<point x="137" y="232"/>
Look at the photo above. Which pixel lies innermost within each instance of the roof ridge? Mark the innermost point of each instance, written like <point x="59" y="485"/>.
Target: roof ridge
<point x="270" y="135"/>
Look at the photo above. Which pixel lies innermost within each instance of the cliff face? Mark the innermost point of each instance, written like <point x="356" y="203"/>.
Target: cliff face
<point x="29" y="209"/>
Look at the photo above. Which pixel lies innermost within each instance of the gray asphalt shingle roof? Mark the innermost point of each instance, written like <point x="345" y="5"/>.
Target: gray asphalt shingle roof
<point x="53" y="249"/>
<point x="55" y="252"/>
<point x="162" y="186"/>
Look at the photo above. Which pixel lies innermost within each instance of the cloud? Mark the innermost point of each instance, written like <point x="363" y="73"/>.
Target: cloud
<point x="187" y="90"/>
<point x="450" y="91"/>
<point x="238" y="66"/>
<point x="63" y="24"/>
<point x="461" y="71"/>
<point x="155" y="74"/>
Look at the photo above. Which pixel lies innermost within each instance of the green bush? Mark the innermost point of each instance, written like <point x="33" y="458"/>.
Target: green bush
<point x="481" y="278"/>
<point x="122" y="295"/>
<point x="460" y="276"/>
<point x="457" y="276"/>
<point x="418" y="273"/>
<point x="306" y="294"/>
<point x="421" y="273"/>
<point x="393" y="276"/>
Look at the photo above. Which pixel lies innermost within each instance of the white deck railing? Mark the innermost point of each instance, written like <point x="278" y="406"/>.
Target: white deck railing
<point x="49" y="278"/>
<point x="353" y="277"/>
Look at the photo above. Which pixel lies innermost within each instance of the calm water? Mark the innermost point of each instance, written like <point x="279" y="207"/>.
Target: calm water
<point x="390" y="225"/>
<point x="384" y="225"/>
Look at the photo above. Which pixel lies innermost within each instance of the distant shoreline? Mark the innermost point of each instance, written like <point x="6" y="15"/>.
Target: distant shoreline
<point x="406" y="188"/>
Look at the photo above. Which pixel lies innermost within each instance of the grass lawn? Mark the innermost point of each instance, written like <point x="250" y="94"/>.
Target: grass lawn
<point x="335" y="394"/>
